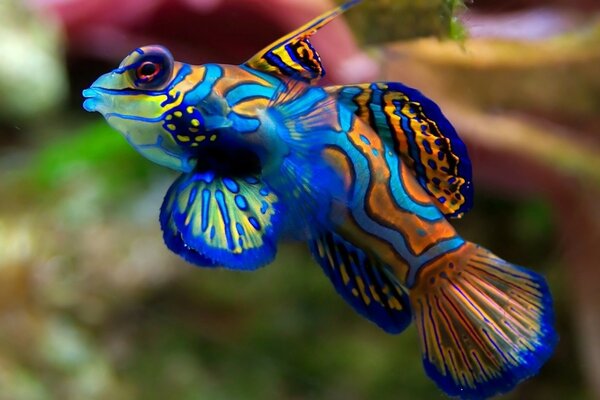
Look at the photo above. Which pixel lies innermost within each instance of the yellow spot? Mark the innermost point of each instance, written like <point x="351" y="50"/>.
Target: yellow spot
<point x="194" y="130"/>
<point x="330" y="259"/>
<point x="361" y="287"/>
<point x="213" y="138"/>
<point x="195" y="122"/>
<point x="199" y="138"/>
<point x="355" y="292"/>
<point x="374" y="294"/>
<point x="320" y="249"/>
<point x="194" y="144"/>
<point x="183" y="138"/>
<point x="178" y="114"/>
<point x="345" y="277"/>
<point x="190" y="109"/>
<point x="171" y="127"/>
<point x="169" y="117"/>
<point x="394" y="303"/>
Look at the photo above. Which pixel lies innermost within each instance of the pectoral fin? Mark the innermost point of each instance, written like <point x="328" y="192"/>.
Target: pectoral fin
<point x="211" y="220"/>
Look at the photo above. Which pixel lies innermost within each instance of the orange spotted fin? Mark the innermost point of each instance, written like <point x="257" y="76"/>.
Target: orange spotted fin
<point x="420" y="134"/>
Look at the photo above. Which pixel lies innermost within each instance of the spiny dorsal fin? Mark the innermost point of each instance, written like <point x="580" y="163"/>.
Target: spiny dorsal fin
<point x="293" y="56"/>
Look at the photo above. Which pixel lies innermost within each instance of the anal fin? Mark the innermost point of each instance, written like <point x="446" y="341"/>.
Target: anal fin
<point x="364" y="282"/>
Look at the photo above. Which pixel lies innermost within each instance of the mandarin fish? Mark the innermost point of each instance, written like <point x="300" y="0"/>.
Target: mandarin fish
<point x="368" y="175"/>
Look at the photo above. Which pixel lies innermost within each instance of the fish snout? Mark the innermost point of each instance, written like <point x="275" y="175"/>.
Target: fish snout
<point x="92" y="97"/>
<point x="98" y="94"/>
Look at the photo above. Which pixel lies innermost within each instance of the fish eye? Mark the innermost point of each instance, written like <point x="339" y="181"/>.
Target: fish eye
<point x="148" y="70"/>
<point x="153" y="68"/>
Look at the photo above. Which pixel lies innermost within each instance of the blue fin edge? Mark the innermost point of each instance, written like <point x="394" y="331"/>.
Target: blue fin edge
<point x="249" y="260"/>
<point x="177" y="246"/>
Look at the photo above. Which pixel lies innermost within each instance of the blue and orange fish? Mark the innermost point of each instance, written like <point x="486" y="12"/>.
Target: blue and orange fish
<point x="366" y="174"/>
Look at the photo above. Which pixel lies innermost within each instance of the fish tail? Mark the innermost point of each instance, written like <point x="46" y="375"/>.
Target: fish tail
<point x="485" y="324"/>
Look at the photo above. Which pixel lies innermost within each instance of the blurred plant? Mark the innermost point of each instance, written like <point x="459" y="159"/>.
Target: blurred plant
<point x="419" y="18"/>
<point x="32" y="76"/>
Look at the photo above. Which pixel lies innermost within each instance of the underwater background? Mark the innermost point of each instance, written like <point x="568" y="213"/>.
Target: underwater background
<point x="94" y="306"/>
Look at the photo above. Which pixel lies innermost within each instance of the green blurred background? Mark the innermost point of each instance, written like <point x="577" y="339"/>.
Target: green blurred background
<point x="93" y="305"/>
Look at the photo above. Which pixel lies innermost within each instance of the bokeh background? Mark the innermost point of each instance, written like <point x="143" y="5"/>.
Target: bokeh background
<point x="93" y="306"/>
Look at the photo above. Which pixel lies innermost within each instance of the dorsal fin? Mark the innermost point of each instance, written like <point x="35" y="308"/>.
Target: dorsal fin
<point x="293" y="56"/>
<point x="420" y="134"/>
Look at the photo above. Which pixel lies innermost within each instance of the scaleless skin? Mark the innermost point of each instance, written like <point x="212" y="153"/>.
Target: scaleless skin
<point x="366" y="174"/>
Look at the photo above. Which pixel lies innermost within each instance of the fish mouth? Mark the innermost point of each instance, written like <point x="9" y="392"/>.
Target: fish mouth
<point x="92" y="98"/>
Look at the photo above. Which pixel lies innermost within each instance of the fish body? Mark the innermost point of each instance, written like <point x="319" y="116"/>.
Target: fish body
<point x="366" y="174"/>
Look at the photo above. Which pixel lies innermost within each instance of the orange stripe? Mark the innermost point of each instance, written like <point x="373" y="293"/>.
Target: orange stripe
<point x="381" y="204"/>
<point x="349" y="230"/>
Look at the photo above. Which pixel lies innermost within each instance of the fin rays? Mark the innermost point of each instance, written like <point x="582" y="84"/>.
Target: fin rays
<point x="293" y="55"/>
<point x="485" y="324"/>
<point x="363" y="282"/>
<point x="211" y="220"/>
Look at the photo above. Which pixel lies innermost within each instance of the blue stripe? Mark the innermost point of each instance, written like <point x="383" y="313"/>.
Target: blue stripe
<point x="128" y="92"/>
<point x="441" y="248"/>
<point x="107" y="116"/>
<point x="345" y="117"/>
<point x="365" y="222"/>
<point x="426" y="211"/>
<point x="275" y="60"/>
<point x="225" y="217"/>
<point x="247" y="91"/>
<point x="212" y="74"/>
<point x="185" y="70"/>
<point x="205" y="208"/>
<point x="243" y="124"/>
<point x="292" y="53"/>
<point x="403" y="200"/>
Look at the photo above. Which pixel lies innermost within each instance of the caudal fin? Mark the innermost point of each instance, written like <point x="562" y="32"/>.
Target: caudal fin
<point x="485" y="324"/>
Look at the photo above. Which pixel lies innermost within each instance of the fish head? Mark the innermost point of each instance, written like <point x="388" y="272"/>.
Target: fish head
<point x="141" y="99"/>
